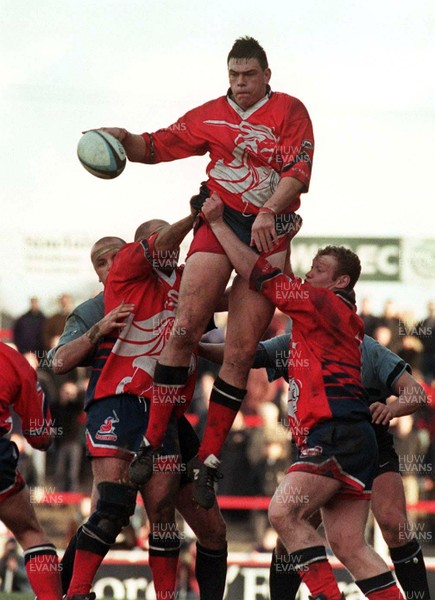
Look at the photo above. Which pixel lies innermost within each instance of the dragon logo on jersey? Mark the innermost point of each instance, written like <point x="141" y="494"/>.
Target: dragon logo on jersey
<point x="144" y="341"/>
<point x="249" y="173"/>
<point x="107" y="429"/>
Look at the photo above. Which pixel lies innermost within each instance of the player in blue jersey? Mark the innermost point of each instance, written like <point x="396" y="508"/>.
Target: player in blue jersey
<point x="86" y="324"/>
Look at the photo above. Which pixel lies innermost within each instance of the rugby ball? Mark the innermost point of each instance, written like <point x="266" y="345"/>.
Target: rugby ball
<point x="101" y="154"/>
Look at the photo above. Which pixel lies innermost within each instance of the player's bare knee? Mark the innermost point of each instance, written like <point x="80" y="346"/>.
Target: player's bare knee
<point x="394" y="529"/>
<point x="281" y="517"/>
<point x="161" y="511"/>
<point x="213" y="535"/>
<point x="344" y="545"/>
<point x="239" y="359"/>
<point x="185" y="335"/>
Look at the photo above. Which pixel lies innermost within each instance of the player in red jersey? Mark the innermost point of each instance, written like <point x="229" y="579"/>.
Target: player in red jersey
<point x="328" y="415"/>
<point x="145" y="276"/>
<point x="20" y="391"/>
<point x="260" y="145"/>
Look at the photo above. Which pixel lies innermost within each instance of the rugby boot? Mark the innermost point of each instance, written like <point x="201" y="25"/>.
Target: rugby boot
<point x="88" y="596"/>
<point x="204" y="476"/>
<point x="141" y="467"/>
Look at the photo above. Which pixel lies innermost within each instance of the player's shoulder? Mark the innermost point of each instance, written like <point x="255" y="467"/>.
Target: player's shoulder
<point x="289" y="102"/>
<point x="211" y="106"/>
<point x="379" y="354"/>
<point x="89" y="307"/>
<point x="12" y="359"/>
<point x="9" y="353"/>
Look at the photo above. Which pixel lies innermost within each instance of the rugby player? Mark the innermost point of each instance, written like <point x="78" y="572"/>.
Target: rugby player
<point x="20" y="391"/>
<point x="145" y="277"/>
<point x="383" y="374"/>
<point x="261" y="146"/>
<point x="328" y="415"/>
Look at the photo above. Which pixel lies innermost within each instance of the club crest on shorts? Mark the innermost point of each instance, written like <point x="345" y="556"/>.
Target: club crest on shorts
<point x="107" y="429"/>
<point x="315" y="451"/>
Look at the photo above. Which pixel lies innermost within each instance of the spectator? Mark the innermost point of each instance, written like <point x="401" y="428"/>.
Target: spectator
<point x="426" y="334"/>
<point x="53" y="326"/>
<point x="390" y="319"/>
<point x="411" y="448"/>
<point x="12" y="570"/>
<point x="370" y="321"/>
<point x="27" y="331"/>
<point x="69" y="437"/>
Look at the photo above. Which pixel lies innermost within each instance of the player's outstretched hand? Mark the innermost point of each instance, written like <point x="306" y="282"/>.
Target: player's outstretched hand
<point x="120" y="133"/>
<point x="381" y="413"/>
<point x="213" y="208"/>
<point x="115" y="319"/>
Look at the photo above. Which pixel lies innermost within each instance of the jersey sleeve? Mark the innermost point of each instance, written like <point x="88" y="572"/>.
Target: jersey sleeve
<point x="381" y="367"/>
<point x="297" y="145"/>
<point x="74" y="328"/>
<point x="389" y="367"/>
<point x="273" y="355"/>
<point x="180" y="140"/>
<point x="285" y="292"/>
<point x="32" y="407"/>
<point x="82" y="318"/>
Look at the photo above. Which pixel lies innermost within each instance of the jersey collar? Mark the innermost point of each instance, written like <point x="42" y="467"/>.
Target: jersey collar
<point x="348" y="296"/>
<point x="247" y="113"/>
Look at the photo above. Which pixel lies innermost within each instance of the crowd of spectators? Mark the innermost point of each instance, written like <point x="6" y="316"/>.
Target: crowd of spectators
<point x="258" y="450"/>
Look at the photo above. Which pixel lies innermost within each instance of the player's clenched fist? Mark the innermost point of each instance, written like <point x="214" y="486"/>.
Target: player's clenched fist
<point x="213" y="208"/>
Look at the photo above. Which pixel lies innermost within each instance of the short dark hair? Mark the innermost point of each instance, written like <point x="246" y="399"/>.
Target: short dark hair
<point x="149" y="227"/>
<point x="248" y="47"/>
<point x="348" y="262"/>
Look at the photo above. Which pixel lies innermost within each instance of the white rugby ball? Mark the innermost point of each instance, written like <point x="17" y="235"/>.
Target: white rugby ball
<point x="101" y="154"/>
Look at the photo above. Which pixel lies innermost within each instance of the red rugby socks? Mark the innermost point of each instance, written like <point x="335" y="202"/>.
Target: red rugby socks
<point x="225" y="402"/>
<point x="42" y="568"/>
<point x="167" y="393"/>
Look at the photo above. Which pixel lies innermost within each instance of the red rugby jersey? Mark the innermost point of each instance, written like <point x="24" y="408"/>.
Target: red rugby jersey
<point x="324" y="364"/>
<point x="126" y="363"/>
<point x="249" y="150"/>
<point x="19" y="389"/>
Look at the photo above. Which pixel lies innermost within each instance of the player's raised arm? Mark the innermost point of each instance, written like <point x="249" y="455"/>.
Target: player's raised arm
<point x="134" y="144"/>
<point x="241" y="256"/>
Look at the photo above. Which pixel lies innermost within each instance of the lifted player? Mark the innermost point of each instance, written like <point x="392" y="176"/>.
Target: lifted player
<point x="261" y="145"/>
